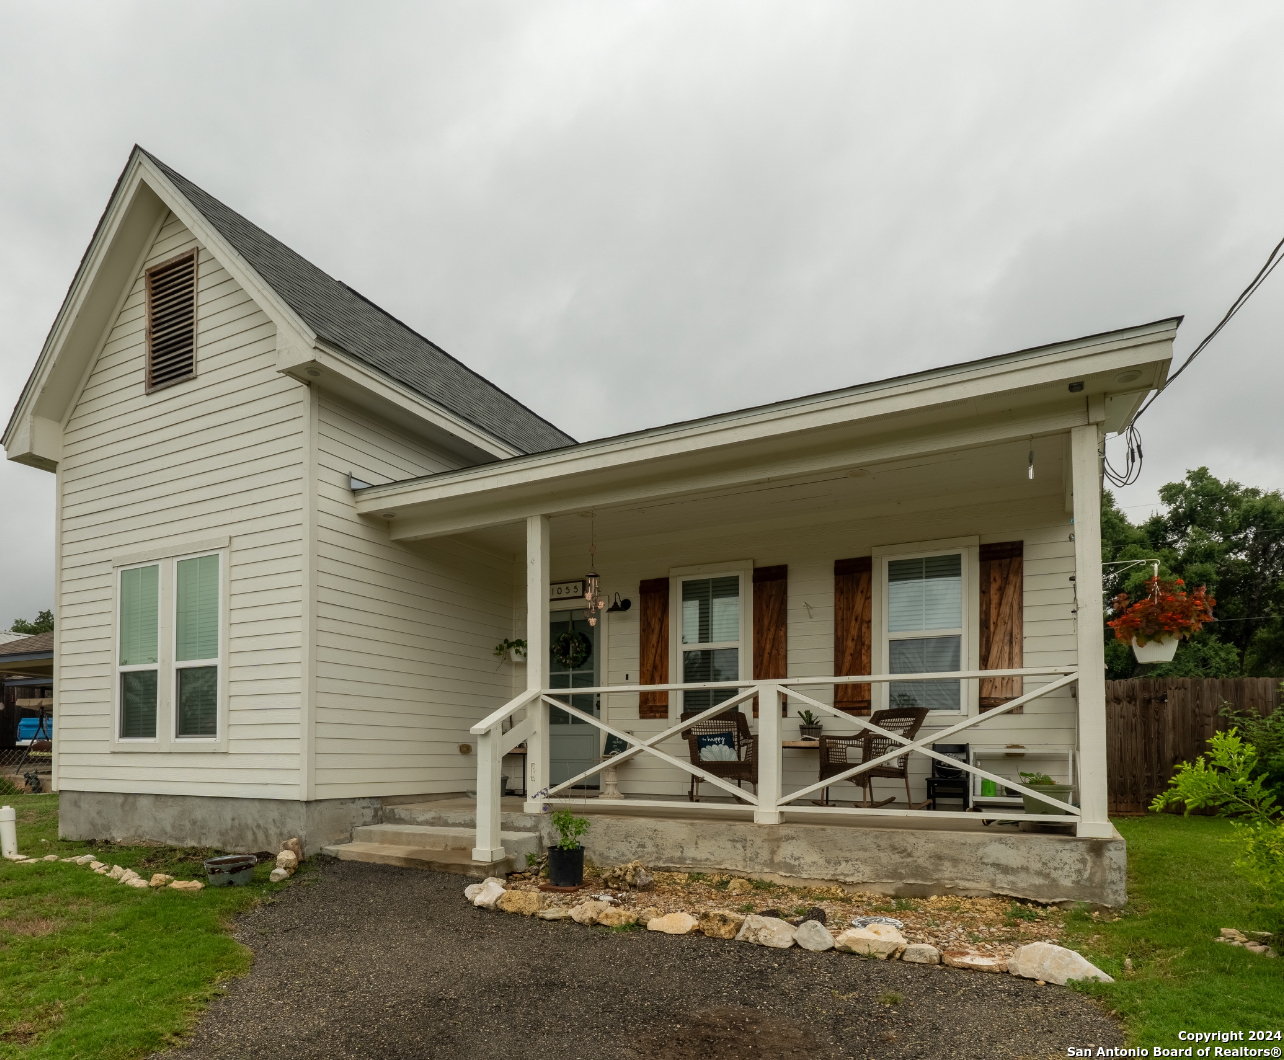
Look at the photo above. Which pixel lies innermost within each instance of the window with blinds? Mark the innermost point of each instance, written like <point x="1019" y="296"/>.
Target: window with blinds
<point x="710" y="637"/>
<point x="925" y="629"/>
<point x="139" y="655"/>
<point x="171" y="322"/>
<point x="196" y="621"/>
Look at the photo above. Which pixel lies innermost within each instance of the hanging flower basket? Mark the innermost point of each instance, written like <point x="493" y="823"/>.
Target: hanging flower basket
<point x="1154" y="624"/>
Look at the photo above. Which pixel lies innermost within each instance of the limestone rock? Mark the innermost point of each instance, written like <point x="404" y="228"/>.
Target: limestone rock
<point x="50" y="857"/>
<point x="673" y="924"/>
<point x="159" y="879"/>
<point x="646" y="915"/>
<point x="101" y="870"/>
<point x="491" y="889"/>
<point x="921" y="953"/>
<point x="187" y="885"/>
<point x="559" y="912"/>
<point x="974" y="962"/>
<point x="296" y="848"/>
<point x="739" y="886"/>
<point x="128" y="876"/>
<point x="472" y="890"/>
<point x="68" y="859"/>
<point x="617" y="918"/>
<point x="588" y="912"/>
<point x="137" y="881"/>
<point x="116" y="872"/>
<point x="1053" y="964"/>
<point x="85" y="859"/>
<point x="766" y="931"/>
<point x="813" y="935"/>
<point x="634" y="875"/>
<point x="1234" y="935"/>
<point x="96" y="865"/>
<point x="527" y="903"/>
<point x="15" y="857"/>
<point x="286" y="860"/>
<point x="721" y="923"/>
<point x="878" y="940"/>
<point x="278" y="876"/>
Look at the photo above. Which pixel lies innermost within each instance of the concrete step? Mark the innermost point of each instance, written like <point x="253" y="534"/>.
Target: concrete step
<point x="440" y="848"/>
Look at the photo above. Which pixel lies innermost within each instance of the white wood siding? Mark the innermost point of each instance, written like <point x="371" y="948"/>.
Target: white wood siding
<point x="404" y="636"/>
<point x="218" y="455"/>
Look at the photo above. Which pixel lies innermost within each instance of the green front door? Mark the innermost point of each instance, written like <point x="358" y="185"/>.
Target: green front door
<point x="573" y="745"/>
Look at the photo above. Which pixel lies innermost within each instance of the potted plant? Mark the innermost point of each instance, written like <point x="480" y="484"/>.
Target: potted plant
<point x="808" y="725"/>
<point x="1060" y="792"/>
<point x="566" y="859"/>
<point x="1165" y="615"/>
<point x="510" y="651"/>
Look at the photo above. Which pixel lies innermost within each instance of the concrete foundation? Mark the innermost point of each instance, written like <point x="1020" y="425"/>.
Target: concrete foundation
<point x="909" y="857"/>
<point x="239" y="825"/>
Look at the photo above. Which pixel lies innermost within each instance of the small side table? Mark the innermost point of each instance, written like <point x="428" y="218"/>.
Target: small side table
<point x="610" y="784"/>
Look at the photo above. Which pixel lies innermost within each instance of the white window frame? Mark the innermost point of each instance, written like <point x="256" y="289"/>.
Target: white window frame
<point x="118" y="668"/>
<point x="742" y="569"/>
<point x="167" y="739"/>
<point x="969" y="549"/>
<point x="219" y="660"/>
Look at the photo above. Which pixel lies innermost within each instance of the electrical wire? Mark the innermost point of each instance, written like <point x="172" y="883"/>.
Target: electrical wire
<point x="1131" y="469"/>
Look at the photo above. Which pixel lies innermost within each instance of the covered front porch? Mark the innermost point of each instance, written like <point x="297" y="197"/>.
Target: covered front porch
<point x="906" y="561"/>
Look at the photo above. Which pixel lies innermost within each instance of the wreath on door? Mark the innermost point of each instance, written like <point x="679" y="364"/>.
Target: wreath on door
<point x="571" y="649"/>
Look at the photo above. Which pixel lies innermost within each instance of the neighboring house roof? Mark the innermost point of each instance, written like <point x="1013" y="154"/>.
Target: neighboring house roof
<point x="40" y="644"/>
<point x="356" y="326"/>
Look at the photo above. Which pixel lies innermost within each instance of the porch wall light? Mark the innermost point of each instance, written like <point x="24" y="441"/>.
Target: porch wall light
<point x="618" y="605"/>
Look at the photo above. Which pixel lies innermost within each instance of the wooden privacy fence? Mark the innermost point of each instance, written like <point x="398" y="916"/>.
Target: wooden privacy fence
<point x="1151" y="725"/>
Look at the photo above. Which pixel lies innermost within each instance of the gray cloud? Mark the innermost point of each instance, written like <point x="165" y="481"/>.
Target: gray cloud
<point x="627" y="214"/>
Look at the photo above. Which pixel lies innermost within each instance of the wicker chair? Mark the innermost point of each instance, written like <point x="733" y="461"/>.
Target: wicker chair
<point x="745" y="767"/>
<point x="839" y="753"/>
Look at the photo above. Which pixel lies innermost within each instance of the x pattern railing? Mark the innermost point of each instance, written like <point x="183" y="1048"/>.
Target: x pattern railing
<point x="494" y="742"/>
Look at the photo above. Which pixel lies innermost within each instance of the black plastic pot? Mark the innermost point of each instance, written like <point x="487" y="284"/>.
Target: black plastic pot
<point x="231" y="870"/>
<point x="565" y="867"/>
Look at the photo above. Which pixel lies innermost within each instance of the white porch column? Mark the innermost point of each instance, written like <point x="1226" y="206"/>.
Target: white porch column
<point x="770" y="754"/>
<point x="537" y="588"/>
<point x="1085" y="466"/>
<point x="489" y="846"/>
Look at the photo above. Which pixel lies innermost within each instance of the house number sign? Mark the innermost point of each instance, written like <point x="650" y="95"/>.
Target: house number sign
<point x="566" y="591"/>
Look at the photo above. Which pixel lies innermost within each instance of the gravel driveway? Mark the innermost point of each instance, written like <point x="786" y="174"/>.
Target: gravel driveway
<point x="373" y="961"/>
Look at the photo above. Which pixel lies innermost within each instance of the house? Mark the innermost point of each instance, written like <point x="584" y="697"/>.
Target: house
<point x="26" y="703"/>
<point x="291" y="533"/>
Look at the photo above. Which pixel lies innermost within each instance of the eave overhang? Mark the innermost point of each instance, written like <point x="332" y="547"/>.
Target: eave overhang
<point x="959" y="406"/>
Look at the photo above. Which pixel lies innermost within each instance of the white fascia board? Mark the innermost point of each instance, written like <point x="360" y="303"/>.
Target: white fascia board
<point x="341" y="374"/>
<point x="1148" y="346"/>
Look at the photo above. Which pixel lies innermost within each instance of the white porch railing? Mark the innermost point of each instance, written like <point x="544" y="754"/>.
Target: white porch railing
<point x="494" y="742"/>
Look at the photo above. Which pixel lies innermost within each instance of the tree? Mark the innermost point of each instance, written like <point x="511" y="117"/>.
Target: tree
<point x="1222" y="535"/>
<point x="43" y="624"/>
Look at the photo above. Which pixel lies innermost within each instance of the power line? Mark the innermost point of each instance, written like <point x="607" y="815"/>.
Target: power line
<point x="1131" y="469"/>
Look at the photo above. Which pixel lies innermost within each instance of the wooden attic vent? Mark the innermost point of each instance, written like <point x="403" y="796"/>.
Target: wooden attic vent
<point x="171" y="321"/>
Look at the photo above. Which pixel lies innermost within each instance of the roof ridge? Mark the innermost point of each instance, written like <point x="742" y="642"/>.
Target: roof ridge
<point x="370" y="334"/>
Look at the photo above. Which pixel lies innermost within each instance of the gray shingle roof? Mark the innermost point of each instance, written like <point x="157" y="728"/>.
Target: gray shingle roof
<point x="28" y="645"/>
<point x="358" y="327"/>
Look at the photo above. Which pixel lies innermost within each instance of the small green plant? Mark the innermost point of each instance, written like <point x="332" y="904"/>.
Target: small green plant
<point x="747" y="907"/>
<point x="892" y="997"/>
<point x="806" y="717"/>
<point x="1016" y="911"/>
<point x="1222" y="778"/>
<point x="569" y="828"/>
<point x="506" y="649"/>
<point x="799" y="910"/>
<point x="763" y="885"/>
<point x="1035" y="779"/>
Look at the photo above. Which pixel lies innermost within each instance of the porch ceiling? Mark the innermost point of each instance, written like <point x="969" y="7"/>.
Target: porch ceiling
<point x="930" y="419"/>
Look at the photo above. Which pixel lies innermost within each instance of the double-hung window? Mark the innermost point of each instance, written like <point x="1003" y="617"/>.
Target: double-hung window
<point x="925" y="629"/>
<point x="711" y="637"/>
<point x="169" y="650"/>
<point x="138" y="668"/>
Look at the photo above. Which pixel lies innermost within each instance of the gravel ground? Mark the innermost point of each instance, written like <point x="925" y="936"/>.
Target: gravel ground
<point x="372" y="961"/>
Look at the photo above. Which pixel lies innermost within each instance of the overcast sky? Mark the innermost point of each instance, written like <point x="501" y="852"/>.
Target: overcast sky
<point x="631" y="213"/>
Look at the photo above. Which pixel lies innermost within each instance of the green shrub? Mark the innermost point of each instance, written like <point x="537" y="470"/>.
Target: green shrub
<point x="1222" y="778"/>
<point x="1266" y="734"/>
<point x="1261" y="860"/>
<point x="569" y="828"/>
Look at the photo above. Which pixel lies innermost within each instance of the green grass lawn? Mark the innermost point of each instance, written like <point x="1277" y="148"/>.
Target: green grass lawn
<point x="92" y="968"/>
<point x="1182" y="890"/>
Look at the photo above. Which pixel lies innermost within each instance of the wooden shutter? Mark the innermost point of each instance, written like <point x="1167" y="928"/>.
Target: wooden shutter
<point x="653" y="646"/>
<point x="1002" y="622"/>
<point x="171" y="321"/>
<point x="853" y="630"/>
<point x="770" y="626"/>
